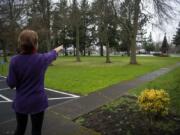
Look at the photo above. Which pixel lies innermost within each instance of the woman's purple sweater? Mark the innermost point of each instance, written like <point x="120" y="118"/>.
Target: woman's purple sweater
<point x="26" y="74"/>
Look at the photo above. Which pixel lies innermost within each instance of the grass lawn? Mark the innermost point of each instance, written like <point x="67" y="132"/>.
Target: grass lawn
<point x="4" y="69"/>
<point x="93" y="73"/>
<point x="169" y="82"/>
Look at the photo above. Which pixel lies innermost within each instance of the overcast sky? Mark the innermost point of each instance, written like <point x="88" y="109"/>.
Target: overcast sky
<point x="168" y="27"/>
<point x="158" y="33"/>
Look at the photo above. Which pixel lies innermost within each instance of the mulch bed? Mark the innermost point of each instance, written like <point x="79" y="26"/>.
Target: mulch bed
<point x="125" y="118"/>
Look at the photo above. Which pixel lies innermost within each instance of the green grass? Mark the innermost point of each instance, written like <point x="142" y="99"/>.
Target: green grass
<point x="169" y="82"/>
<point x="4" y="69"/>
<point x="93" y="73"/>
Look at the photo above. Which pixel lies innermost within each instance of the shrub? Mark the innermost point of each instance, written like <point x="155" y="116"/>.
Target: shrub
<point x="154" y="102"/>
<point x="157" y="54"/>
<point x="160" y="55"/>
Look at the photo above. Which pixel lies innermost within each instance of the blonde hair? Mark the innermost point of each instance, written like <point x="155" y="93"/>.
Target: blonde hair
<point x="28" y="41"/>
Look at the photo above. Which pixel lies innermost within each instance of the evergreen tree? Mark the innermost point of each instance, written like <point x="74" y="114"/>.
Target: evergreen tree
<point x="164" y="47"/>
<point x="106" y="25"/>
<point x="97" y="9"/>
<point x="176" y="38"/>
<point x="75" y="22"/>
<point x="149" y="45"/>
<point x="61" y="25"/>
<point x="85" y="22"/>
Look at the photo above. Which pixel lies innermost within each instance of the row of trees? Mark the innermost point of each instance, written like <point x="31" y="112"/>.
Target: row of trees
<point x="115" y="24"/>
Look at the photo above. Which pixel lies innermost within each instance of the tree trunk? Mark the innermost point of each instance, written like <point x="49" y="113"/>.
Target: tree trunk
<point x="48" y="44"/>
<point x="4" y="53"/>
<point x="101" y="49"/>
<point x="128" y="53"/>
<point x="74" y="50"/>
<point x="84" y="52"/>
<point x="134" y="32"/>
<point x="133" y="51"/>
<point x="107" y="53"/>
<point x="48" y="28"/>
<point x="77" y="45"/>
<point x="12" y="27"/>
<point x="89" y="51"/>
<point x="65" y="50"/>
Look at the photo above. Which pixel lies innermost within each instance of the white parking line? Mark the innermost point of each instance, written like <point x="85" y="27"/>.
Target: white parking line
<point x="72" y="95"/>
<point x="5" y="101"/>
<point x="3" y="76"/>
<point x="64" y="93"/>
<point x="4" y="89"/>
<point x="5" y="98"/>
<point x="61" y="98"/>
<point x="2" y="80"/>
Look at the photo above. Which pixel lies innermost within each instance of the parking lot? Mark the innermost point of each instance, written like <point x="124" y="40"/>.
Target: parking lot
<point x="7" y="94"/>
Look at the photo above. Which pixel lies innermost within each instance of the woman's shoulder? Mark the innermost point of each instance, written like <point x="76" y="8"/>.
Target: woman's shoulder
<point x="48" y="54"/>
<point x="34" y="56"/>
<point x="24" y="56"/>
<point x="14" y="57"/>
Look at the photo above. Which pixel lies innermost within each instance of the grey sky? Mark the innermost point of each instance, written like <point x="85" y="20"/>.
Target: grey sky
<point x="169" y="26"/>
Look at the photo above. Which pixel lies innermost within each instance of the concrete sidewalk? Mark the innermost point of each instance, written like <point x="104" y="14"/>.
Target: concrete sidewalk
<point x="54" y="124"/>
<point x="58" y="120"/>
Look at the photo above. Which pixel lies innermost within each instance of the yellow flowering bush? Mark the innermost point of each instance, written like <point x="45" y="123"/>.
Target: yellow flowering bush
<point x="154" y="101"/>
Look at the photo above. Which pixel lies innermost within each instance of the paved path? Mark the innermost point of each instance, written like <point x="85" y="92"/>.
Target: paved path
<point x="58" y="119"/>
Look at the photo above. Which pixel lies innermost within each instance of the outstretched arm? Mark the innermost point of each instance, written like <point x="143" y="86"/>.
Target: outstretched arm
<point x="59" y="48"/>
<point x="52" y="55"/>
